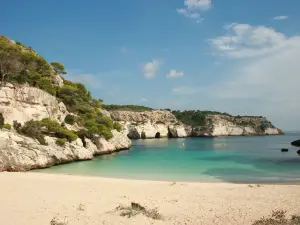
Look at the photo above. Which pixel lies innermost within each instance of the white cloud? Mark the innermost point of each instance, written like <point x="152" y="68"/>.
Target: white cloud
<point x="244" y="40"/>
<point x="174" y="73"/>
<point x="124" y="49"/>
<point x="197" y="4"/>
<point x="268" y="81"/>
<point x="193" y="8"/>
<point x="188" y="14"/>
<point x="150" y="69"/>
<point x="280" y="17"/>
<point x="144" y="100"/>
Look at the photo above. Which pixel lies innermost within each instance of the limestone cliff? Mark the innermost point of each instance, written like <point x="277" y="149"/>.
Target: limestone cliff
<point x="222" y="125"/>
<point x="20" y="153"/>
<point x="162" y="123"/>
<point x="149" y="124"/>
<point x="22" y="103"/>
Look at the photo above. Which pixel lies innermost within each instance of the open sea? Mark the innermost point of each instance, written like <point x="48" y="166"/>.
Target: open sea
<point x="224" y="159"/>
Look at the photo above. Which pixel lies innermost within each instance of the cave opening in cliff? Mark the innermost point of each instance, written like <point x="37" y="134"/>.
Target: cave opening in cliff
<point x="157" y="135"/>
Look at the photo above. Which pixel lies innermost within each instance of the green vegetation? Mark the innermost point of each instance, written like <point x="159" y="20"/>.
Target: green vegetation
<point x="54" y="128"/>
<point x="19" y="64"/>
<point x="134" y="108"/>
<point x="7" y="126"/>
<point x="195" y="117"/>
<point x="1" y="121"/>
<point x="70" y="119"/>
<point x="279" y="218"/>
<point x="58" y="68"/>
<point x="61" y="141"/>
<point x="38" y="130"/>
<point x="34" y="130"/>
<point x="118" y="126"/>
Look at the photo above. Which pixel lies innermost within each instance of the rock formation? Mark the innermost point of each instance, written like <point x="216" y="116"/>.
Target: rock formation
<point x="149" y="124"/>
<point x="23" y="103"/>
<point x="19" y="153"/>
<point x="162" y="123"/>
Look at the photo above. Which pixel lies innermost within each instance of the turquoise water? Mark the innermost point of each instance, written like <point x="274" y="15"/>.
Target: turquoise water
<point x="230" y="159"/>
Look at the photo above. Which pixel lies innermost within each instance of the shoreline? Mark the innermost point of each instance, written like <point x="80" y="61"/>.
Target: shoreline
<point x="216" y="181"/>
<point x="35" y="198"/>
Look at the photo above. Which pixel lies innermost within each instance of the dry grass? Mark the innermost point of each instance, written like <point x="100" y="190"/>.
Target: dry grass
<point x="136" y="209"/>
<point x="279" y="217"/>
<point x="80" y="207"/>
<point x="56" y="221"/>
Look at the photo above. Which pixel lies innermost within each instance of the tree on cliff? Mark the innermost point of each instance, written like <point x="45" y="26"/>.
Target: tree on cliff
<point x="58" y="68"/>
<point x="9" y="60"/>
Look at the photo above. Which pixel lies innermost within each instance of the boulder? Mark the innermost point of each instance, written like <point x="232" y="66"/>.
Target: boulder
<point x="177" y="131"/>
<point x="296" y="143"/>
<point x="284" y="150"/>
<point x="298" y="152"/>
<point x="118" y="142"/>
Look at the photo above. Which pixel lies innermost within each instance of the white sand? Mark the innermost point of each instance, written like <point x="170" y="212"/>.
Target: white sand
<point x="35" y="199"/>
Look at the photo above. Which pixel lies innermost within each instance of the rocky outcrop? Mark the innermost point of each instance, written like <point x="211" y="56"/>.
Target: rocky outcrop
<point x="23" y="103"/>
<point x="296" y="143"/>
<point x="162" y="123"/>
<point x="222" y="125"/>
<point x="20" y="153"/>
<point x="118" y="142"/>
<point x="149" y="124"/>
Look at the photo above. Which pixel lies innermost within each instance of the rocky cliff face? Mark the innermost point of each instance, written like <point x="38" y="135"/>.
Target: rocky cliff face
<point x="220" y="125"/>
<point x="20" y="153"/>
<point x="23" y="103"/>
<point x="150" y="124"/>
<point x="161" y="123"/>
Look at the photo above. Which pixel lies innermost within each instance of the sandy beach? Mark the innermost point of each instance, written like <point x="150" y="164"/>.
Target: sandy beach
<point x="35" y="199"/>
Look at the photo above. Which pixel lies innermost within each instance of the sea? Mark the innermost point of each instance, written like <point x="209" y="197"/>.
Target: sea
<point x="221" y="159"/>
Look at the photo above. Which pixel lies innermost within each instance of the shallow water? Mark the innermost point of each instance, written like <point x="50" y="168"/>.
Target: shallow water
<point x="230" y="159"/>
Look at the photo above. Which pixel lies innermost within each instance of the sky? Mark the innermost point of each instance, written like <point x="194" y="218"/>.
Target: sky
<point x="235" y="56"/>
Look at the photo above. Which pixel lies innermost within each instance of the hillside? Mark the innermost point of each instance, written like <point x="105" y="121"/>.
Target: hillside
<point x="46" y="119"/>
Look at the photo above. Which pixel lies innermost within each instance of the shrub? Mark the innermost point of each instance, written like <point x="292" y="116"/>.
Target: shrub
<point x="134" y="108"/>
<point x="7" y="126"/>
<point x="33" y="129"/>
<point x="65" y="133"/>
<point x="61" y="141"/>
<point x="70" y="119"/>
<point x="46" y="85"/>
<point x="278" y="218"/>
<point x="54" y="127"/>
<point x="1" y="121"/>
<point x="118" y="126"/>
<point x="106" y="121"/>
<point x="17" y="126"/>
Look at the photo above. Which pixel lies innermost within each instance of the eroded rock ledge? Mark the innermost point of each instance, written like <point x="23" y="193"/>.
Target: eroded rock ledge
<point x="20" y="153"/>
